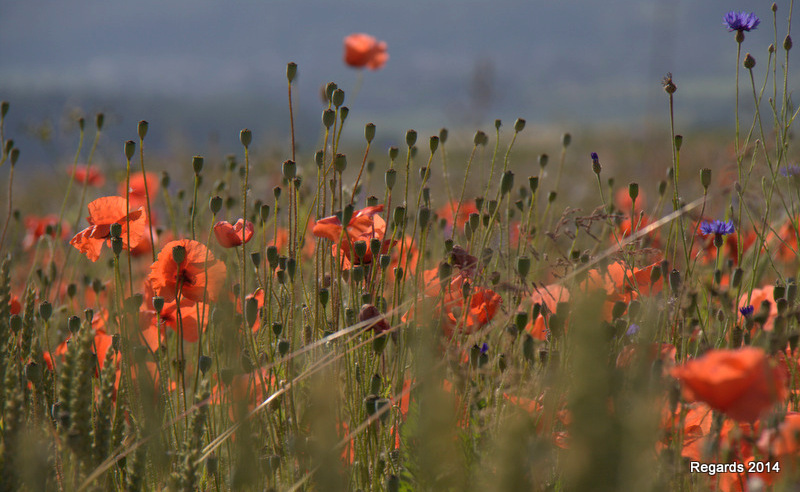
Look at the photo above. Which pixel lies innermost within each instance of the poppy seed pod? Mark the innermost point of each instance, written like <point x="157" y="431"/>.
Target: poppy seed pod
<point x="347" y="213"/>
<point x="443" y="133"/>
<point x="291" y="71"/>
<point x="749" y="61"/>
<point x="88" y="314"/>
<point x="360" y="248"/>
<point x="519" y="125"/>
<point x="130" y="147"/>
<point x="178" y="254"/>
<point x="197" y="164"/>
<point x="399" y="215"/>
<point x="675" y="280"/>
<point x="142" y="129"/>
<point x="340" y="163"/>
<point x="343" y="112"/>
<point x="633" y="191"/>
<point x="246" y="137"/>
<point x="45" y="310"/>
<point x="533" y="183"/>
<point x="424" y="215"/>
<point x="330" y="87"/>
<point x="251" y="310"/>
<point x="543" y="160"/>
<point x="523" y="266"/>
<point x="434" y="143"/>
<point x="328" y="118"/>
<point x="115" y="230"/>
<point x="480" y="138"/>
<point x="215" y="204"/>
<point x="73" y="324"/>
<point x="264" y="212"/>
<point x="283" y="347"/>
<point x="566" y="139"/>
<point x="497" y="124"/>
<point x="551" y="197"/>
<point x="276" y="191"/>
<point x="521" y="319"/>
<point x="4" y="108"/>
<point x="474" y="221"/>
<point x="369" y="132"/>
<point x="337" y="97"/>
<point x="411" y="138"/>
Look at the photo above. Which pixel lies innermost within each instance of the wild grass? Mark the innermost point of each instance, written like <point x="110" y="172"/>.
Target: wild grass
<point x="510" y="314"/>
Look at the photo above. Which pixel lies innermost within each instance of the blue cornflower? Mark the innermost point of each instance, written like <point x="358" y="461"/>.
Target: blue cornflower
<point x="747" y="310"/>
<point x="484" y="348"/>
<point x="633" y="329"/>
<point x="717" y="227"/>
<point x="741" y="21"/>
<point x="788" y="171"/>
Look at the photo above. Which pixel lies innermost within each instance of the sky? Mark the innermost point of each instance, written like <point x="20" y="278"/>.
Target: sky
<point x="200" y="70"/>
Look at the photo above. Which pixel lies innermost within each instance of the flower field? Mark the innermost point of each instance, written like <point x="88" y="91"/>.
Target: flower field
<point x="446" y="314"/>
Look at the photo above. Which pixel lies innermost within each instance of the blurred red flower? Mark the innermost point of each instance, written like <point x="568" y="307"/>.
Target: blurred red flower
<point x="137" y="195"/>
<point x="89" y="175"/>
<point x="199" y="276"/>
<point x="365" y="225"/>
<point x="230" y="236"/>
<point x="104" y="212"/>
<point x="36" y="227"/>
<point x="742" y="383"/>
<point x="362" y="50"/>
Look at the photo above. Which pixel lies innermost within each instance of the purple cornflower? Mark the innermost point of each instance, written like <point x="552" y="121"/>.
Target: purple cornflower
<point x="741" y="21"/>
<point x="717" y="227"/>
<point x="633" y="329"/>
<point x="484" y="348"/>
<point x="747" y="310"/>
<point x="788" y="171"/>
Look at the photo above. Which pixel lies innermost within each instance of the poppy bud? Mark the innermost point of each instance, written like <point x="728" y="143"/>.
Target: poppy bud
<point x="250" y="310"/>
<point x="390" y="178"/>
<point x="533" y="183"/>
<point x="480" y="138"/>
<point x="411" y="138"/>
<point x="523" y="266"/>
<point x="528" y="346"/>
<point x="291" y="71"/>
<point x="264" y="213"/>
<point x="130" y="147"/>
<point x="330" y="87"/>
<point x="9" y="145"/>
<point x="204" y="363"/>
<point x="99" y="119"/>
<point x="178" y="254"/>
<point x="369" y="132"/>
<point x="399" y="215"/>
<point x="73" y="324"/>
<point x="423" y="215"/>
<point x="749" y="61"/>
<point x="506" y="182"/>
<point x="343" y="112"/>
<point x="675" y="281"/>
<point x="551" y="197"/>
<point x="197" y="164"/>
<point x="384" y="261"/>
<point x="787" y="43"/>
<point x="520" y="320"/>
<point x="519" y="125"/>
<point x="14" y="156"/>
<point x="89" y="315"/>
<point x="443" y="133"/>
<point x="165" y="179"/>
<point x="4" y="108"/>
<point x="45" y="310"/>
<point x="398" y="273"/>
<point x="337" y="97"/>
<point x="474" y="221"/>
<point x="276" y="191"/>
<point x="277" y="328"/>
<point x="618" y="309"/>
<point x="662" y="187"/>
<point x="245" y="136"/>
<point x="434" y="143"/>
<point x="340" y="163"/>
<point x="360" y="248"/>
<point x="705" y="178"/>
<point x="357" y="273"/>
<point x="566" y="139"/>
<point x="347" y="213"/>
<point x="116" y="245"/>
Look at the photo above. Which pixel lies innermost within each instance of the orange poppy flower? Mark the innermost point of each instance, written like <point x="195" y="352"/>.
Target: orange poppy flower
<point x="89" y="175"/>
<point x="36" y="227"/>
<point x="362" y="50"/>
<point x="448" y="212"/>
<point x="191" y="313"/>
<point x="137" y="194"/>
<point x="365" y="225"/>
<point x="230" y="236"/>
<point x="622" y="282"/>
<point x="483" y="304"/>
<point x="623" y="202"/>
<point x="757" y="297"/>
<point x="787" y="245"/>
<point x="104" y="212"/>
<point x="547" y="296"/>
<point x="197" y="277"/>
<point x="782" y="443"/>
<point x="742" y="383"/>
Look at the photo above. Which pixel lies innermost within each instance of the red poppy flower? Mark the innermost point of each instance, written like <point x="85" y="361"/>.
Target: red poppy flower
<point x="36" y="227"/>
<point x="191" y="315"/>
<point x="198" y="276"/>
<point x="88" y="175"/>
<point x="365" y="225"/>
<point x="104" y="212"/>
<point x="742" y="383"/>
<point x="623" y="202"/>
<point x="137" y="194"/>
<point x="448" y="212"/>
<point x="759" y="296"/>
<point x="362" y="50"/>
<point x="230" y="236"/>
